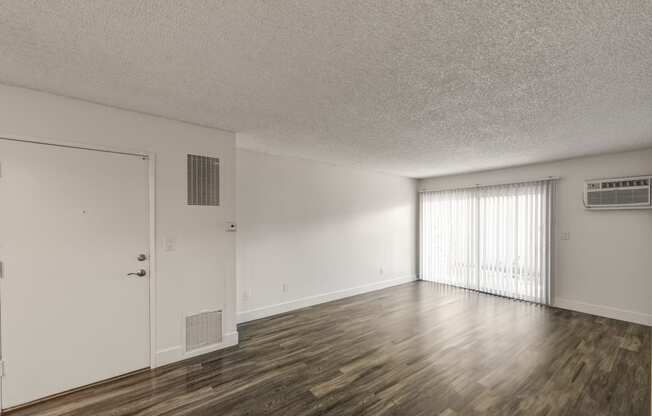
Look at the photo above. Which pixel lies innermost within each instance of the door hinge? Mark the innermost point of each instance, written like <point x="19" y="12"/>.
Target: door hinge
<point x="2" y="368"/>
<point x="2" y="270"/>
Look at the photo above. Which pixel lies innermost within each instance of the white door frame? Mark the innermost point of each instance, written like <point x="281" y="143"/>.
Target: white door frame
<point x="151" y="168"/>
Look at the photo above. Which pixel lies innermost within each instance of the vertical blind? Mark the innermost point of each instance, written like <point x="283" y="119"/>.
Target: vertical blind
<point x="495" y="239"/>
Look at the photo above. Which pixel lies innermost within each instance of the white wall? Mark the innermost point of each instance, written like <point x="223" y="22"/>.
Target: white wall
<point x="606" y="266"/>
<point x="200" y="273"/>
<point x="324" y="231"/>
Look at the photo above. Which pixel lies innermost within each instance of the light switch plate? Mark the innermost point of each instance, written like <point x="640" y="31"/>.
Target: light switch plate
<point x="170" y="243"/>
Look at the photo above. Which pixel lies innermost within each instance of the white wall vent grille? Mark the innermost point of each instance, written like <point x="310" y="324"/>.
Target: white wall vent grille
<point x="618" y="193"/>
<point x="203" y="329"/>
<point x="203" y="180"/>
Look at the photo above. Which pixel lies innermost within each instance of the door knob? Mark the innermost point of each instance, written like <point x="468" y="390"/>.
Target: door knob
<point x="141" y="257"/>
<point x="139" y="273"/>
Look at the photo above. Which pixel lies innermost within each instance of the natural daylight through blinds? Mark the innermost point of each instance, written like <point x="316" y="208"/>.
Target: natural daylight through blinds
<point x="495" y="239"/>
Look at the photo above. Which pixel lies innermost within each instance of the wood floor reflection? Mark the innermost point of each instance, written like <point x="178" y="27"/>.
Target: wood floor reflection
<point x="415" y="349"/>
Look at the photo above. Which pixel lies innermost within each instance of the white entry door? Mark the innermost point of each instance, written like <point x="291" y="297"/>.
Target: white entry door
<point x="73" y="223"/>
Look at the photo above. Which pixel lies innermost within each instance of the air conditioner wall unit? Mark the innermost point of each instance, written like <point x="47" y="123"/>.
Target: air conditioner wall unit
<point x="618" y="193"/>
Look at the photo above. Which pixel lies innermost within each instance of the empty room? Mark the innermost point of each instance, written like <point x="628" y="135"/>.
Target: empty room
<point x="325" y="207"/>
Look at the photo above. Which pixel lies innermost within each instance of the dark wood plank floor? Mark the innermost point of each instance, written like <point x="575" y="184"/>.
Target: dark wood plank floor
<point x="415" y="349"/>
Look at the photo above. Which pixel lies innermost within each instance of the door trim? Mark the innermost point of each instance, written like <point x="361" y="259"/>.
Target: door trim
<point x="151" y="169"/>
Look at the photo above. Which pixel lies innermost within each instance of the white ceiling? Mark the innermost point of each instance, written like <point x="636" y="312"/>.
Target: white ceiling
<point x="415" y="88"/>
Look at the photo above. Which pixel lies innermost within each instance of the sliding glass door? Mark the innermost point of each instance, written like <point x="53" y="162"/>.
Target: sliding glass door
<point x="493" y="239"/>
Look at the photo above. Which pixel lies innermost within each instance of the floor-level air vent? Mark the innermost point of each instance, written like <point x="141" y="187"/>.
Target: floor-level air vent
<point x="203" y="329"/>
<point x="203" y="180"/>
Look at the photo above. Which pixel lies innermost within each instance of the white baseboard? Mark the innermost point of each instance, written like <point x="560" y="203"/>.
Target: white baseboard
<point x="177" y="353"/>
<point x="271" y="310"/>
<point x="606" y="311"/>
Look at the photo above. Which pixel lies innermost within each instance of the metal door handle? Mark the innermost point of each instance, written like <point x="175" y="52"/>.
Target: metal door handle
<point x="141" y="257"/>
<point x="139" y="273"/>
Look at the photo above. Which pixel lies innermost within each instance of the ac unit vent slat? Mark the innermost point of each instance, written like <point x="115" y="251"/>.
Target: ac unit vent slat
<point x="608" y="197"/>
<point x="595" y="198"/>
<point x="640" y="196"/>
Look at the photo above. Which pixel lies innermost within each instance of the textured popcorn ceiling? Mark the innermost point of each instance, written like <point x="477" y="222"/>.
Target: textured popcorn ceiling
<point x="415" y="88"/>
